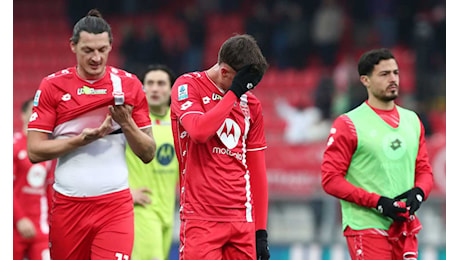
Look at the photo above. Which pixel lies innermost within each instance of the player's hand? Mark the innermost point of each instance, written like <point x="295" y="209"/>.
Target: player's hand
<point x="140" y="196"/>
<point x="389" y="207"/>
<point x="26" y="228"/>
<point x="245" y="79"/>
<point x="91" y="134"/>
<point x="414" y="198"/>
<point x="121" y="114"/>
<point x="262" y="245"/>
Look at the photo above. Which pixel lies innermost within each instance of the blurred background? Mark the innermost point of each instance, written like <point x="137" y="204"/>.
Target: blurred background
<point x="312" y="47"/>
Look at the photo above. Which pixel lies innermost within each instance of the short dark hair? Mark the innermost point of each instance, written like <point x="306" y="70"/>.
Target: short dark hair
<point x="25" y="105"/>
<point x="241" y="50"/>
<point x="91" y="23"/>
<point x="162" y="67"/>
<point x="371" y="58"/>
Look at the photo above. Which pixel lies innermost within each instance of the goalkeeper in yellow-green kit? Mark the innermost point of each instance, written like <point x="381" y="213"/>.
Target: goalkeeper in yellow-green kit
<point x="153" y="185"/>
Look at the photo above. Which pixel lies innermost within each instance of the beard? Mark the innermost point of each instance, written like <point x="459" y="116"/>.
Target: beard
<point x="386" y="96"/>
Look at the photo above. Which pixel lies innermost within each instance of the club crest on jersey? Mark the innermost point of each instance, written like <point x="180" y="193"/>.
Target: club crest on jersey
<point x="182" y="92"/>
<point x="244" y="106"/>
<point x="85" y="90"/>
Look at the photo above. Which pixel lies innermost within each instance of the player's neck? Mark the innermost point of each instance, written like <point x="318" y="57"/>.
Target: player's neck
<point x="214" y="76"/>
<point x="158" y="110"/>
<point x="380" y="104"/>
<point x="88" y="77"/>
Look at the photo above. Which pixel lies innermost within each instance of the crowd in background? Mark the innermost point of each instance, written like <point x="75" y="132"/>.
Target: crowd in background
<point x="299" y="34"/>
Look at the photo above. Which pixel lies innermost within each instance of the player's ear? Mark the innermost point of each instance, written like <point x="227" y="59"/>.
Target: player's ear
<point x="365" y="80"/>
<point x="226" y="71"/>
<point x="73" y="46"/>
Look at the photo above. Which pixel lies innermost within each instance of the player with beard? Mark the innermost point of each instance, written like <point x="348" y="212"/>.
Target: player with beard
<point x="376" y="155"/>
<point x="85" y="116"/>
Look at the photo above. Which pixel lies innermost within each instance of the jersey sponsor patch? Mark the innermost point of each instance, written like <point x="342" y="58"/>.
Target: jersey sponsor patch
<point x="37" y="97"/>
<point x="85" y="90"/>
<point x="182" y="92"/>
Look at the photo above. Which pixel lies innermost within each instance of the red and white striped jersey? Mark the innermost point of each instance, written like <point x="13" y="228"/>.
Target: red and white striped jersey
<point x="65" y="104"/>
<point x="214" y="177"/>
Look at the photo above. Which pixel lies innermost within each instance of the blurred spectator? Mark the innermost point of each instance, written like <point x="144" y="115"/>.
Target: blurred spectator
<point x="298" y="36"/>
<point x="196" y="35"/>
<point x="129" y="46"/>
<point x="151" y="48"/>
<point x="385" y="21"/>
<point x="327" y="29"/>
<point x="259" y="25"/>
<point x="279" y="38"/>
<point x="290" y="38"/>
<point x="323" y="94"/>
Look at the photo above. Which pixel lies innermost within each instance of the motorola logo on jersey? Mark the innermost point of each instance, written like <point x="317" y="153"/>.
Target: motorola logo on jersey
<point x="229" y="133"/>
<point x="165" y="154"/>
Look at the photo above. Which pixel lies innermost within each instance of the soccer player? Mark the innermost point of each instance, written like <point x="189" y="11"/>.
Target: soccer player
<point x="219" y="138"/>
<point x="153" y="185"/>
<point x="85" y="116"/>
<point x="30" y="200"/>
<point x="376" y="156"/>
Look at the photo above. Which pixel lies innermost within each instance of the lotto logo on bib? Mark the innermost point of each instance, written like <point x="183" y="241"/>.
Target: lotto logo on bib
<point x="394" y="146"/>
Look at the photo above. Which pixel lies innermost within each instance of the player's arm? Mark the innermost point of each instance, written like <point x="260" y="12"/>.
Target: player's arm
<point x="259" y="187"/>
<point x="202" y="126"/>
<point x="341" y="145"/>
<point x="139" y="139"/>
<point x="423" y="170"/>
<point x="187" y="106"/>
<point x="40" y="148"/>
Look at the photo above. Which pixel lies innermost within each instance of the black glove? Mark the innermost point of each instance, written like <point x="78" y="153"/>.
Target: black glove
<point x="389" y="207"/>
<point x="245" y="79"/>
<point x="262" y="245"/>
<point x="414" y="198"/>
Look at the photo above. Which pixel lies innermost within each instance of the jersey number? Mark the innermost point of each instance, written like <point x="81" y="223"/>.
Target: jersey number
<point x="121" y="256"/>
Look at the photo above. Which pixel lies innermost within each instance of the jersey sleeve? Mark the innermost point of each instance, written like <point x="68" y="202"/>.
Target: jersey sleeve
<point x="256" y="135"/>
<point x="258" y="180"/>
<point x="140" y="112"/>
<point x="423" y="170"/>
<point x="185" y="97"/>
<point x="43" y="116"/>
<point x="341" y="145"/>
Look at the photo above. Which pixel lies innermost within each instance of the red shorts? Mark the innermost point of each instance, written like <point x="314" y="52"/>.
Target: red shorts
<point x="368" y="244"/>
<point x="35" y="248"/>
<point x="211" y="240"/>
<point x="100" y="227"/>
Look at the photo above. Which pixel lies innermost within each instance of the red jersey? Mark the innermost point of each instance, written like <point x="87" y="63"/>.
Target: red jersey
<point x="65" y="104"/>
<point x="29" y="186"/>
<point x="214" y="177"/>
